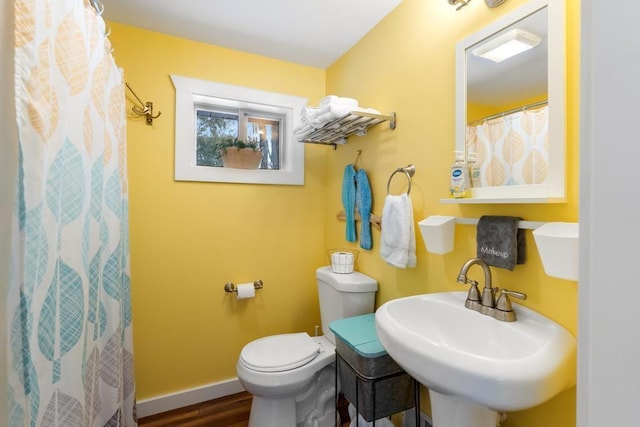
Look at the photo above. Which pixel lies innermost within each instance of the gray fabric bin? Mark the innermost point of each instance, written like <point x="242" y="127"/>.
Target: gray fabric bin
<point x="363" y="363"/>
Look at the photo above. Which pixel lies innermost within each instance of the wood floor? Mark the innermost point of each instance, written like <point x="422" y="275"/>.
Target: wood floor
<point x="228" y="411"/>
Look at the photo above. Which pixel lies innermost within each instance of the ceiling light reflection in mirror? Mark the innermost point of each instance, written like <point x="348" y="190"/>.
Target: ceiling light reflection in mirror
<point x="507" y="45"/>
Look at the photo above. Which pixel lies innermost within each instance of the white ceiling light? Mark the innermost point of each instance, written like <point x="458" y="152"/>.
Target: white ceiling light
<point x="507" y="45"/>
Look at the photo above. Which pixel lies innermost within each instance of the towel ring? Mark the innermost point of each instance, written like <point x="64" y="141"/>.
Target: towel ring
<point x="408" y="170"/>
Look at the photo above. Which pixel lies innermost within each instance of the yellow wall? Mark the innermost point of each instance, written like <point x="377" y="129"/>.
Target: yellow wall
<point x="478" y="112"/>
<point x="188" y="239"/>
<point x="407" y="65"/>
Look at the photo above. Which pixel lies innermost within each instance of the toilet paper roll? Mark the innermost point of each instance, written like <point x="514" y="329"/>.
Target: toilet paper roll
<point x="246" y="290"/>
<point x="342" y="262"/>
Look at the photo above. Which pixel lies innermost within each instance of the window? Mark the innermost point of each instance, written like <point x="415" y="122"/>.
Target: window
<point x="208" y="113"/>
<point x="211" y="128"/>
<point x="214" y="125"/>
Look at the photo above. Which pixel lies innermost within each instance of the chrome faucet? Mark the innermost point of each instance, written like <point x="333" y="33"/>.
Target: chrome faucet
<point x="502" y="310"/>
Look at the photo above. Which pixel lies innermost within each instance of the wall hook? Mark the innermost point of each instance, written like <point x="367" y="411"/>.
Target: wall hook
<point x="355" y="162"/>
<point x="145" y="109"/>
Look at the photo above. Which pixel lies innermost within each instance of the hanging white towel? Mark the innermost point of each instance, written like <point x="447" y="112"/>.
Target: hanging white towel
<point x="398" y="238"/>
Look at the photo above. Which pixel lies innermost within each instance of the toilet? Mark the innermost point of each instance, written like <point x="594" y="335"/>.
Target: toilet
<point x="292" y="376"/>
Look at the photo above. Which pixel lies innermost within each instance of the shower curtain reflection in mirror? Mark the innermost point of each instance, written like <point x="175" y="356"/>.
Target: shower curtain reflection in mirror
<point x="511" y="149"/>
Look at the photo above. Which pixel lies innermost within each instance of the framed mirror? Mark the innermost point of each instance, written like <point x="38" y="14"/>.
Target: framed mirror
<point x="510" y="112"/>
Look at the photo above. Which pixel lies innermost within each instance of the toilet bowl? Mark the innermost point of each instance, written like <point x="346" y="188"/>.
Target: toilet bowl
<point x="290" y="381"/>
<point x="291" y="376"/>
<point x="276" y="394"/>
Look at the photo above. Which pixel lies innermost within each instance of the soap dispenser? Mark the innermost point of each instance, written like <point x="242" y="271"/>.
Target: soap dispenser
<point x="474" y="170"/>
<point x="459" y="177"/>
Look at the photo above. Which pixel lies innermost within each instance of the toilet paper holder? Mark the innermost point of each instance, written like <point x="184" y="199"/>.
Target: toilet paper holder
<point x="230" y="287"/>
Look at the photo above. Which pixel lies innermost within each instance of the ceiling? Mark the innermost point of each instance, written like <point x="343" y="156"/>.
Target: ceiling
<point x="308" y="32"/>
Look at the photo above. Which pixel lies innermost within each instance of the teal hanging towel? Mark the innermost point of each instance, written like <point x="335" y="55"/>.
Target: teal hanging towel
<point x="349" y="201"/>
<point x="363" y="205"/>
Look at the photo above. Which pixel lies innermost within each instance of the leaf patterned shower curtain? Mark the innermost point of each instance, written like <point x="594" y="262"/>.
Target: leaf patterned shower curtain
<point x="512" y="149"/>
<point x="69" y="314"/>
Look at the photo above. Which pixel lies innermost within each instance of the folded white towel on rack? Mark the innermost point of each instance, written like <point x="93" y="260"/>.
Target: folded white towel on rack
<point x="335" y="111"/>
<point x="308" y="113"/>
<point x="333" y="99"/>
<point x="303" y="130"/>
<point x="330" y="112"/>
<point x="341" y="109"/>
<point x="398" y="237"/>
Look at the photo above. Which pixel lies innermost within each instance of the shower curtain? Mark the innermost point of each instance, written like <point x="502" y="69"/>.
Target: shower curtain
<point x="512" y="149"/>
<point x="70" y="349"/>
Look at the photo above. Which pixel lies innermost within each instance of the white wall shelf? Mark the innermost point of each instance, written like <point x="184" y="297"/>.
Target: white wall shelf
<point x="524" y="225"/>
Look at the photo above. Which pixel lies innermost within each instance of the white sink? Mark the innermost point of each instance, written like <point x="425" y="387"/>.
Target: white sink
<point x="475" y="362"/>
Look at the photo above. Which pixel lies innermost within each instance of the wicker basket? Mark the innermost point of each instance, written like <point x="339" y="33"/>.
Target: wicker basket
<point x="244" y="158"/>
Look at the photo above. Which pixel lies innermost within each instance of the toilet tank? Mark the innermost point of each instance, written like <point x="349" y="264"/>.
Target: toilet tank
<point x="344" y="295"/>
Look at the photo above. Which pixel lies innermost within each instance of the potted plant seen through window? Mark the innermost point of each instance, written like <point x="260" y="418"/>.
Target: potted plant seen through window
<point x="238" y="154"/>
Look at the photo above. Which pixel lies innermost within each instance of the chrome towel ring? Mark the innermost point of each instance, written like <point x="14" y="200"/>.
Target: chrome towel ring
<point x="408" y="170"/>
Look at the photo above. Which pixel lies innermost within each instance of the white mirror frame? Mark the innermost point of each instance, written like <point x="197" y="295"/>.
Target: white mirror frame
<point x="554" y="191"/>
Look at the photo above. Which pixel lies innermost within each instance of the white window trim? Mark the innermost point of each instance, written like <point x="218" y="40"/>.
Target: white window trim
<point x="189" y="92"/>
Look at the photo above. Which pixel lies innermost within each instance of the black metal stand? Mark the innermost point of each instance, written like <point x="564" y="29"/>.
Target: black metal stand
<point x="373" y="380"/>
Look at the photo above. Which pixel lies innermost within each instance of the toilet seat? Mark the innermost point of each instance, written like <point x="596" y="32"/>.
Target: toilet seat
<point x="279" y="353"/>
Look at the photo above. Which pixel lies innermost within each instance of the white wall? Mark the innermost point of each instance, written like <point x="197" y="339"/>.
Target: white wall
<point x="609" y="288"/>
<point x="8" y="156"/>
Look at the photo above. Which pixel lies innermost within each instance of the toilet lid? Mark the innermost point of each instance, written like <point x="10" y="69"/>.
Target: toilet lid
<point x="279" y="352"/>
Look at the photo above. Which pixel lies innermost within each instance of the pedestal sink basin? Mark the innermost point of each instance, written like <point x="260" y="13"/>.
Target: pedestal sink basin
<point x="474" y="365"/>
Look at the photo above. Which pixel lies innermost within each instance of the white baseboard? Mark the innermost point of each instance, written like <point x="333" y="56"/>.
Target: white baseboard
<point x="168" y="402"/>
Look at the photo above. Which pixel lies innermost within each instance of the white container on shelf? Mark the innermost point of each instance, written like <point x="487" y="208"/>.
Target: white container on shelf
<point x="438" y="233"/>
<point x="557" y="244"/>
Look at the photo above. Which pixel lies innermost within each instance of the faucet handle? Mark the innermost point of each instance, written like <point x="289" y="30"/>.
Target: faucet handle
<point x="474" y="293"/>
<point x="504" y="303"/>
